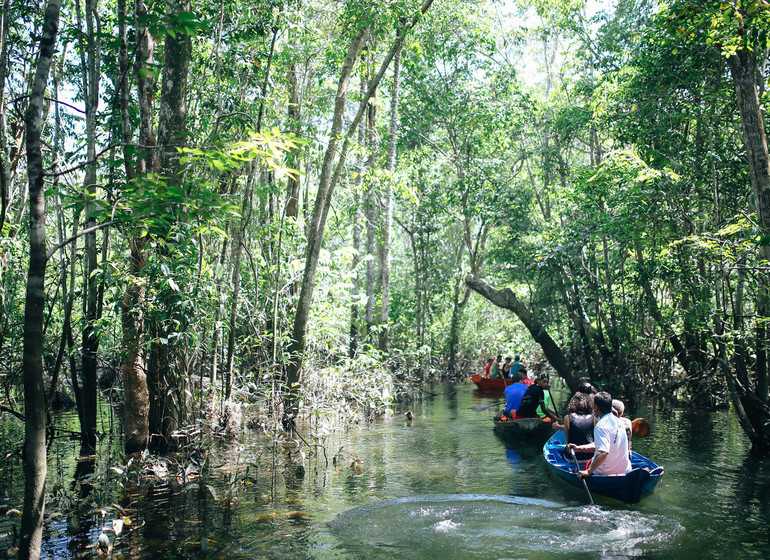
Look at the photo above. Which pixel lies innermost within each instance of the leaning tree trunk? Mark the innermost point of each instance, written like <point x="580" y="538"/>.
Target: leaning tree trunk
<point x="34" y="456"/>
<point x="507" y="300"/>
<point x="317" y="225"/>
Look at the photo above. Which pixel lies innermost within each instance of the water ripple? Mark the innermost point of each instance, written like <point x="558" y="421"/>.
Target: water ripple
<point x="485" y="526"/>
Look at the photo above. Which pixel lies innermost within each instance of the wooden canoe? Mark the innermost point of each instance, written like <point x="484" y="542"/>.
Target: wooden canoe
<point x="491" y="383"/>
<point x="630" y="488"/>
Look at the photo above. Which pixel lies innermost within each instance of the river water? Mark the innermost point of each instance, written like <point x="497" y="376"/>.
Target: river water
<point x="443" y="485"/>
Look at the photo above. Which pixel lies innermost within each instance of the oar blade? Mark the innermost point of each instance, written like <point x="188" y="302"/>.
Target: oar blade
<point x="480" y="407"/>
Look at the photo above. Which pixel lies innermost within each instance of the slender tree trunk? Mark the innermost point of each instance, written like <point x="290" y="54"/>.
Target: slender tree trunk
<point x="5" y="171"/>
<point x="370" y="197"/>
<point x="32" y="363"/>
<point x="316" y="227"/>
<point x="458" y="304"/>
<point x="355" y="291"/>
<point x="652" y="305"/>
<point x="5" y="163"/>
<point x="387" y="222"/>
<point x="91" y="72"/>
<point x="237" y="254"/>
<point x="292" y="183"/>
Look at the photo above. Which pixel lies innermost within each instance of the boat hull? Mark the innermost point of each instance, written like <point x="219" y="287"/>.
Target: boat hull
<point x="491" y="383"/>
<point x="631" y="488"/>
<point x="523" y="426"/>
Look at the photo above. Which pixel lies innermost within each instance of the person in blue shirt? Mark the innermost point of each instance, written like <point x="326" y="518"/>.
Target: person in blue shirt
<point x="513" y="394"/>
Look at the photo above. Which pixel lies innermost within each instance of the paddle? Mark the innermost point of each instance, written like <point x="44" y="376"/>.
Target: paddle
<point x="577" y="466"/>
<point x="553" y="402"/>
<point x="481" y="407"/>
<point x="640" y="427"/>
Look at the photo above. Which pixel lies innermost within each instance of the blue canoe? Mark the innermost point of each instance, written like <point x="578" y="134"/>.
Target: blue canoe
<point x="630" y="488"/>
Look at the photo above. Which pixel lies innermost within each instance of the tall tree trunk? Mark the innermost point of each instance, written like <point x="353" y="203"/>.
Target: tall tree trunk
<point x="34" y="308"/>
<point x="743" y="67"/>
<point x="370" y="198"/>
<point x="317" y="224"/>
<point x="458" y="304"/>
<point x="292" y="160"/>
<point x="355" y="291"/>
<point x="387" y="222"/>
<point x="237" y="254"/>
<point x="91" y="73"/>
<point x="167" y="396"/>
<point x="5" y="171"/>
<point x="5" y="164"/>
<point x="136" y="410"/>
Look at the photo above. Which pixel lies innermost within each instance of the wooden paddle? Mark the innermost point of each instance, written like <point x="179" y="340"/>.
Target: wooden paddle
<point x="577" y="466"/>
<point x="553" y="402"/>
<point x="640" y="427"/>
<point x="481" y="407"/>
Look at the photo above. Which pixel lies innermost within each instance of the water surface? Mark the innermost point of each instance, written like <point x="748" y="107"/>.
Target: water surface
<point x="443" y="486"/>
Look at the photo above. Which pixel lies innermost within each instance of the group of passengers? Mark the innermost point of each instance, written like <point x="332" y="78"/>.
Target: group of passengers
<point x="525" y="396"/>
<point x="596" y="430"/>
<point x="510" y="369"/>
<point x="594" y="426"/>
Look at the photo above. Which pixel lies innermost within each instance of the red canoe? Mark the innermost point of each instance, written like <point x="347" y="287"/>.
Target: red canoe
<point x="490" y="383"/>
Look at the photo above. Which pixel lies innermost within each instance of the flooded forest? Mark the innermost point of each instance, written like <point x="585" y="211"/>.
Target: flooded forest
<point x="251" y="254"/>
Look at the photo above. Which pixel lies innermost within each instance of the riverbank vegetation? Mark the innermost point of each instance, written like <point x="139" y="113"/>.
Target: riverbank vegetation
<point x="296" y="203"/>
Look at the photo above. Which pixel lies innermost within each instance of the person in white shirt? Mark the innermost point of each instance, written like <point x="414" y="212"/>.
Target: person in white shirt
<point x="610" y="446"/>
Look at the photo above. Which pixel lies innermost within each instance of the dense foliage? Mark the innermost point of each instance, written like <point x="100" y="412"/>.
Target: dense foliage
<point x="237" y="194"/>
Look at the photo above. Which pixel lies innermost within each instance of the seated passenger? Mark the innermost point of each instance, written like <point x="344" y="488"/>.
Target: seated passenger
<point x="513" y="394"/>
<point x="617" y="409"/>
<point x="533" y="398"/>
<point x="579" y="423"/>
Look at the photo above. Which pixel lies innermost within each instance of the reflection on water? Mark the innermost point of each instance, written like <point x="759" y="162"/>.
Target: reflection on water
<point x="477" y="526"/>
<point x="443" y="485"/>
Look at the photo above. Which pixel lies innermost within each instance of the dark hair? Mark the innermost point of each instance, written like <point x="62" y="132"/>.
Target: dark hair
<point x="587" y="388"/>
<point x="580" y="403"/>
<point x="603" y="402"/>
